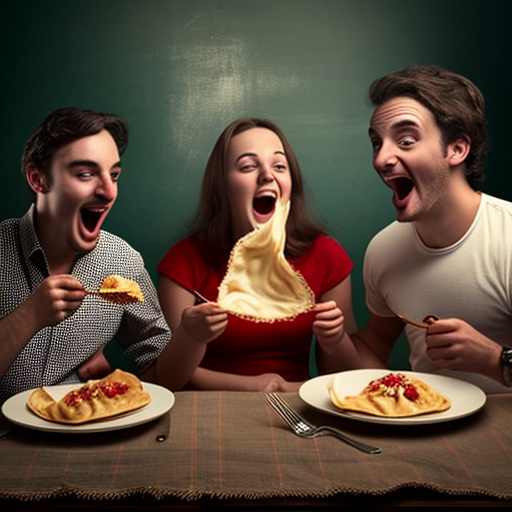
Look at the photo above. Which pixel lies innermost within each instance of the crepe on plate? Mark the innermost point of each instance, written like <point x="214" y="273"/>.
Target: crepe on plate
<point x="393" y="395"/>
<point x="117" y="393"/>
<point x="259" y="283"/>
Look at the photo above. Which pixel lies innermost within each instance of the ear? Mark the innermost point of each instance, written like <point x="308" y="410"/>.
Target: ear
<point x="457" y="151"/>
<point x="37" y="181"/>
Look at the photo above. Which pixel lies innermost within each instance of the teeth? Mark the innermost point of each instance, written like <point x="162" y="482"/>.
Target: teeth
<point x="267" y="193"/>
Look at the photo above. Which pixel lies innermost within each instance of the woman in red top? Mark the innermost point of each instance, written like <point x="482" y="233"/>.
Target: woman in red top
<point x="252" y="165"/>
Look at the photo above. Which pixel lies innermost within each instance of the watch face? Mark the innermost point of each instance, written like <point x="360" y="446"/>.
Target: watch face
<point x="506" y="361"/>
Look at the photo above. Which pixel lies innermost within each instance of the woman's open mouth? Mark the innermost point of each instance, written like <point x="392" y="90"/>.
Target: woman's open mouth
<point x="264" y="204"/>
<point x="263" y="207"/>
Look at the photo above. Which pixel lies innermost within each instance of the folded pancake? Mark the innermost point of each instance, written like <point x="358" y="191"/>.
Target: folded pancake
<point x="117" y="393"/>
<point x="259" y="283"/>
<point x="394" y="395"/>
<point x="120" y="290"/>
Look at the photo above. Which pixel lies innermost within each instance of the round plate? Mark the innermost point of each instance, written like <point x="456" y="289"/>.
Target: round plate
<point x="16" y="410"/>
<point x="466" y="398"/>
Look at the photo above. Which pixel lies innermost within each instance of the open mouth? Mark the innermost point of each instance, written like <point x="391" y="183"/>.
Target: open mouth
<point x="402" y="187"/>
<point x="90" y="218"/>
<point x="264" y="204"/>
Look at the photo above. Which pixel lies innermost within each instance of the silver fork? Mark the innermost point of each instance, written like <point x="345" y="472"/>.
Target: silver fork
<point x="304" y="428"/>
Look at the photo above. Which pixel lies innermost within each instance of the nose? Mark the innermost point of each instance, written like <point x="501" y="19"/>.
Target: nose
<point x="385" y="157"/>
<point x="266" y="174"/>
<point x="107" y="188"/>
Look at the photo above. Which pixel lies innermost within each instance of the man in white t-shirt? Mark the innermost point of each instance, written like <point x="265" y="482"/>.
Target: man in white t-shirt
<point x="449" y="253"/>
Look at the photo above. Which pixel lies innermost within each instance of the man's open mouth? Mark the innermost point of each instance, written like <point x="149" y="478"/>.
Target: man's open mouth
<point x="91" y="218"/>
<point x="402" y="187"/>
<point x="264" y="204"/>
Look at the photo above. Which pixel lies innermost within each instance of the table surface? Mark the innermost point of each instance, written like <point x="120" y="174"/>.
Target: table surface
<point x="231" y="449"/>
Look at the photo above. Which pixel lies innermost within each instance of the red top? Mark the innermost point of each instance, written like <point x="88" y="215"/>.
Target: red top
<point x="252" y="348"/>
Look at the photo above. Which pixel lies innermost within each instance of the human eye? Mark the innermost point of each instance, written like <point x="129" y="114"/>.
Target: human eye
<point x="406" y="141"/>
<point x="85" y="174"/>
<point x="115" y="175"/>
<point x="376" y="143"/>
<point x="246" y="165"/>
<point x="281" y="166"/>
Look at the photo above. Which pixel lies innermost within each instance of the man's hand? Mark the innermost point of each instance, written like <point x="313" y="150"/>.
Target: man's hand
<point x="55" y="299"/>
<point x="454" y="344"/>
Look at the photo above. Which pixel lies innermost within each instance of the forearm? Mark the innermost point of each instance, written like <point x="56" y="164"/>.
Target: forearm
<point x="179" y="360"/>
<point x="368" y="357"/>
<point x="339" y="356"/>
<point x="205" y="379"/>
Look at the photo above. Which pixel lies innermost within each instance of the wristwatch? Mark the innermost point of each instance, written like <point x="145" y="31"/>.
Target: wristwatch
<point x="506" y="365"/>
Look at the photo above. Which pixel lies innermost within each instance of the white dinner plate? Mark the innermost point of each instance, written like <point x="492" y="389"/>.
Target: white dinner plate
<point x="16" y="410"/>
<point x="466" y="398"/>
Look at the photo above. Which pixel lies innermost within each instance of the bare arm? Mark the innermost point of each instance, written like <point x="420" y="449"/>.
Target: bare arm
<point x="192" y="328"/>
<point x="56" y="298"/>
<point x="333" y="322"/>
<point x="375" y="341"/>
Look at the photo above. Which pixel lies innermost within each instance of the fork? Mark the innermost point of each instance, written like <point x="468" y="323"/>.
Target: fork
<point x="304" y="428"/>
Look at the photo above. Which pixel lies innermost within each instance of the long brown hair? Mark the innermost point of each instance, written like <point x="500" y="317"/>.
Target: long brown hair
<point x="213" y="223"/>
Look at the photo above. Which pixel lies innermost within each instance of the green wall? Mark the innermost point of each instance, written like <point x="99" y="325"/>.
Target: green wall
<point x="180" y="70"/>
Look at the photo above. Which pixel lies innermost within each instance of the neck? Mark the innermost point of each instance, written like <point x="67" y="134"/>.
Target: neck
<point x="450" y="222"/>
<point x="59" y="256"/>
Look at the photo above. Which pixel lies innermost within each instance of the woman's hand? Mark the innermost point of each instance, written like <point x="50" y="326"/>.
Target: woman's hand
<point x="204" y="322"/>
<point x="329" y="324"/>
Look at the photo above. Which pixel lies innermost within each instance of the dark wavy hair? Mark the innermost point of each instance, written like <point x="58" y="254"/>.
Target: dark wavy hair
<point x="213" y="223"/>
<point x="66" y="125"/>
<point x="458" y="107"/>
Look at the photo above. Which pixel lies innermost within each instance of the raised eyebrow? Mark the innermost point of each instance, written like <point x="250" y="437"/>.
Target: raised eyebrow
<point x="404" y="123"/>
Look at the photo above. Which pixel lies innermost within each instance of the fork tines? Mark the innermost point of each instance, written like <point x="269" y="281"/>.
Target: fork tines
<point x="284" y="410"/>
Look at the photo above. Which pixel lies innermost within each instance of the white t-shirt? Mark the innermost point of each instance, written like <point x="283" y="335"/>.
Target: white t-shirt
<point x="471" y="280"/>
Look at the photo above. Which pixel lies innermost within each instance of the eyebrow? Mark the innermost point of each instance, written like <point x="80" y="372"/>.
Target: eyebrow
<point x="395" y="126"/>
<point x="89" y="163"/>
<point x="278" y="152"/>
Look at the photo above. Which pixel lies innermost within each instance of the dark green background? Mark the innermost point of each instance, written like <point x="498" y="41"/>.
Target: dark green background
<point x="180" y="70"/>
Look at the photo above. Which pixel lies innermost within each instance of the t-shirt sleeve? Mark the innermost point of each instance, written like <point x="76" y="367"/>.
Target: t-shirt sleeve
<point x="339" y="263"/>
<point x="179" y="264"/>
<point x="329" y="265"/>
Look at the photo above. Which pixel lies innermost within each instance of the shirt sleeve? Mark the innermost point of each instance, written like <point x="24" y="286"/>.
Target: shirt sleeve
<point x="143" y="332"/>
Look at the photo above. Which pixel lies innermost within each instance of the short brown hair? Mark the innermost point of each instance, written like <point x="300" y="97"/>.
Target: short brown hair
<point x="66" y="125"/>
<point x="458" y="107"/>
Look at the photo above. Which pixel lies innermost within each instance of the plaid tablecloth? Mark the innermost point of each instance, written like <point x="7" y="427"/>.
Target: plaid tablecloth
<point x="231" y="445"/>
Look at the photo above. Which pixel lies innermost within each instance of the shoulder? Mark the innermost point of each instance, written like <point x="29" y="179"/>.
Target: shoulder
<point x="110" y="240"/>
<point x="183" y="252"/>
<point x="112" y="247"/>
<point x="186" y="247"/>
<point x="494" y="205"/>
<point x="391" y="235"/>
<point x="325" y="244"/>
<point x="326" y="254"/>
